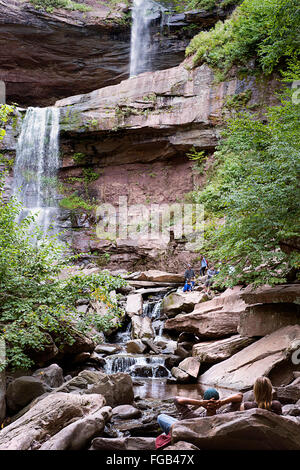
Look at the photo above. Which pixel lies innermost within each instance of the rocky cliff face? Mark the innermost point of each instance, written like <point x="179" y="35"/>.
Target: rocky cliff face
<point x="49" y="55"/>
<point x="134" y="137"/>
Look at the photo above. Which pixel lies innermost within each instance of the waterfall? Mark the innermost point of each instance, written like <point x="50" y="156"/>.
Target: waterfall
<point x="137" y="366"/>
<point x="144" y="12"/>
<point x="36" y="165"/>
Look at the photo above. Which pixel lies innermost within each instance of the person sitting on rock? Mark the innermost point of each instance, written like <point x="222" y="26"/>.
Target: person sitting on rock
<point x="263" y="392"/>
<point x="187" y="286"/>
<point x="211" y="402"/>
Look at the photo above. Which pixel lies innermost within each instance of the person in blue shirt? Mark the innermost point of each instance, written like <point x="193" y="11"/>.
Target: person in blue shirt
<point x="210" y="274"/>
<point x="187" y="286"/>
<point x="204" y="265"/>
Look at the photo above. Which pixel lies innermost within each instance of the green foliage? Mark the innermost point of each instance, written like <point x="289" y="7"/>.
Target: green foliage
<point x="252" y="201"/>
<point x="74" y="202"/>
<point x="199" y="158"/>
<point x="50" y="5"/>
<point x="266" y="30"/>
<point x="34" y="303"/>
<point x="186" y="5"/>
<point x="5" y="112"/>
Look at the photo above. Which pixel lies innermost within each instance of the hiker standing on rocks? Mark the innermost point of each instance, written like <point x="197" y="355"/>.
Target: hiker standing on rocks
<point x="210" y="274"/>
<point x="204" y="266"/>
<point x="189" y="277"/>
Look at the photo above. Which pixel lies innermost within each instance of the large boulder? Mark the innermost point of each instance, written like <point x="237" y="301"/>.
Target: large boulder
<point x="135" y="346"/>
<point x="46" y="418"/>
<point x="123" y="443"/>
<point x="190" y="366"/>
<point x="22" y="391"/>
<point x="77" y="435"/>
<point x="179" y="302"/>
<point x="241" y="370"/>
<point x="126" y="412"/>
<point x="134" y="305"/>
<point x="263" y="319"/>
<point x="116" y="388"/>
<point x="212" y="352"/>
<point x="254" y="429"/>
<point x="51" y="375"/>
<point x="216" y="318"/>
<point x="141" y="327"/>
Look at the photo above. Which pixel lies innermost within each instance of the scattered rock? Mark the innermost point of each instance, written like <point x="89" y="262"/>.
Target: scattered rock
<point x="107" y="349"/>
<point x="241" y="370"/>
<point x="191" y="366"/>
<point x="141" y="327"/>
<point x="179" y="302"/>
<point x="254" y="429"/>
<point x="134" y="305"/>
<point x="51" y="375"/>
<point x="180" y="375"/>
<point x="126" y="412"/>
<point x="135" y="346"/>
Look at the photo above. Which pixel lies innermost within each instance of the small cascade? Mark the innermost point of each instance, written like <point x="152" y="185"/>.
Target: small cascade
<point x="144" y="14"/>
<point x="137" y="366"/>
<point x="36" y="166"/>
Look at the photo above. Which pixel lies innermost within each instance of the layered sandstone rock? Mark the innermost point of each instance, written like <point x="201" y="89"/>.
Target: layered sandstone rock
<point x="211" y="352"/>
<point x="180" y="302"/>
<point x="241" y="370"/>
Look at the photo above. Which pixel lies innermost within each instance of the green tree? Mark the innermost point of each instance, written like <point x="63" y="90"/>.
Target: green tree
<point x="252" y="201"/>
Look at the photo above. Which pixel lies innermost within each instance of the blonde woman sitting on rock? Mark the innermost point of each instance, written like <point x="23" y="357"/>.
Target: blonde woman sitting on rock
<point x="263" y="392"/>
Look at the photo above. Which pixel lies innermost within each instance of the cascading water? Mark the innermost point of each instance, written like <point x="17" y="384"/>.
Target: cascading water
<point x="144" y="12"/>
<point x="36" y="165"/>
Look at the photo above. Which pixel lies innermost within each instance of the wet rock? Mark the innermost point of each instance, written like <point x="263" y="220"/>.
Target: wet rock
<point x="136" y="346"/>
<point x="180" y="375"/>
<point x="261" y="320"/>
<point x="51" y="375"/>
<point x="134" y="305"/>
<point x="141" y="327"/>
<point x="180" y="302"/>
<point x="153" y="347"/>
<point x="254" y="429"/>
<point x="191" y="366"/>
<point x="81" y="358"/>
<point x="172" y="361"/>
<point x="22" y="391"/>
<point x="182" y="352"/>
<point x="77" y="435"/>
<point x="126" y="412"/>
<point x="107" y="349"/>
<point x="46" y="418"/>
<point x="212" y="352"/>
<point x="241" y="370"/>
<point x="125" y="443"/>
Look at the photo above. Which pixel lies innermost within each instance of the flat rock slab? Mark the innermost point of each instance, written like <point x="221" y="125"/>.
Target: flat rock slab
<point x="212" y="352"/>
<point x="134" y="305"/>
<point x="243" y="430"/>
<point x="159" y="276"/>
<point x="288" y="293"/>
<point x="241" y="370"/>
<point x="191" y="366"/>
